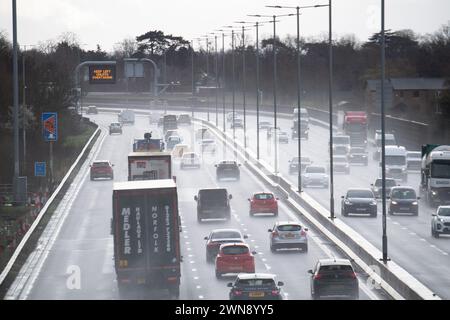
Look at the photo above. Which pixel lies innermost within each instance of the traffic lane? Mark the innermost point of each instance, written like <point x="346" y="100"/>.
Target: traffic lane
<point x="285" y="264"/>
<point x="372" y="229"/>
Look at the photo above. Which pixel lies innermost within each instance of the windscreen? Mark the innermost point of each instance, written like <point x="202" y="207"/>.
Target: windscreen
<point x="226" y="234"/>
<point x="232" y="250"/>
<point x="269" y="283"/>
<point x="289" y="227"/>
<point x="356" y="127"/>
<point x="389" y="183"/>
<point x="263" y="196"/>
<point x="359" y="194"/>
<point x="395" y="160"/>
<point x="440" y="169"/>
<point x="315" y="170"/>
<point x="403" y="194"/>
<point x="100" y="164"/>
<point x="214" y="197"/>
<point x="444" y="212"/>
<point x="339" y="160"/>
<point x="415" y="155"/>
<point x="357" y="150"/>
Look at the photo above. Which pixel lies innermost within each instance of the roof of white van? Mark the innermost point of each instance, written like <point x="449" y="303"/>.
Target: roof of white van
<point x="144" y="184"/>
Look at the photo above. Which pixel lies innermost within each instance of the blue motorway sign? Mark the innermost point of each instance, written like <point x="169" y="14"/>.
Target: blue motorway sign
<point x="39" y="169"/>
<point x="50" y="126"/>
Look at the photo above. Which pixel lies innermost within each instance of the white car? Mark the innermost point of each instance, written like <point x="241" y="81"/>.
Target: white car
<point x="414" y="160"/>
<point x="283" y="137"/>
<point x="440" y="222"/>
<point x="315" y="176"/>
<point x="190" y="159"/>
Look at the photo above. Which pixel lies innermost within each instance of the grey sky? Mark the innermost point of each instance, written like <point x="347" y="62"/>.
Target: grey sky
<point x="106" y="22"/>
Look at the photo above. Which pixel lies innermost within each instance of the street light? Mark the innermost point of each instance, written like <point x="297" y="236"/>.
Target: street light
<point x="274" y="81"/>
<point x="383" y="140"/>
<point x="299" y="176"/>
<point x="223" y="78"/>
<point x="217" y="75"/>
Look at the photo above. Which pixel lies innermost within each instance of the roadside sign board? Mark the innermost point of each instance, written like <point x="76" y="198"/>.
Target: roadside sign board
<point x="39" y="169"/>
<point x="50" y="126"/>
<point x="134" y="69"/>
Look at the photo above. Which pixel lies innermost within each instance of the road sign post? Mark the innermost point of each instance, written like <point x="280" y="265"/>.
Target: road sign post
<point x="50" y="133"/>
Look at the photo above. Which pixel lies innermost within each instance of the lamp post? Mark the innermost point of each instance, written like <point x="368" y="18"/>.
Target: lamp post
<point x="223" y="79"/>
<point x="15" y="102"/>
<point x="216" y="68"/>
<point x="297" y="8"/>
<point x="233" y="89"/>
<point x="383" y="140"/>
<point x="193" y="77"/>
<point x="274" y="17"/>
<point x="330" y="105"/>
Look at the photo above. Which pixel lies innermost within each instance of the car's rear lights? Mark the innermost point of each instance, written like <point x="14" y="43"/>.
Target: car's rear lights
<point x="275" y="234"/>
<point x="275" y="292"/>
<point x="172" y="279"/>
<point x="352" y="275"/>
<point x="318" y="276"/>
<point x="303" y="233"/>
<point x="237" y="292"/>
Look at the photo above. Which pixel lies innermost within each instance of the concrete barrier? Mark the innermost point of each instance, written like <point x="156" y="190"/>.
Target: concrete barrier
<point x="392" y="278"/>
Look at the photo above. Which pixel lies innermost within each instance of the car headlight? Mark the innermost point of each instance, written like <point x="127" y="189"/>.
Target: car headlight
<point x="394" y="202"/>
<point x="364" y="156"/>
<point x="347" y="202"/>
<point x="373" y="203"/>
<point x="403" y="169"/>
<point x="440" y="219"/>
<point x="375" y="189"/>
<point x="415" y="203"/>
<point x="433" y="193"/>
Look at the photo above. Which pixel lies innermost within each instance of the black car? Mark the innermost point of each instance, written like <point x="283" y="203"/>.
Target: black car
<point x="218" y="237"/>
<point x="304" y="129"/>
<point x="115" y="127"/>
<point x="228" y="169"/>
<point x="377" y="186"/>
<point x="213" y="203"/>
<point x="255" y="286"/>
<point x="293" y="164"/>
<point x="359" y="201"/>
<point x="334" y="278"/>
<point x="358" y="155"/>
<point x="237" y="123"/>
<point x="403" y="200"/>
<point x="92" y="110"/>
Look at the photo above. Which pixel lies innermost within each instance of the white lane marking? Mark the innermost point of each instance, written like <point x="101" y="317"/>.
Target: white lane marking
<point x="395" y="222"/>
<point x="188" y="249"/>
<point x="413" y="233"/>
<point x="201" y="297"/>
<point x="267" y="266"/>
<point x="196" y="278"/>
<point x="264" y="259"/>
<point x="194" y="270"/>
<point x="198" y="287"/>
<point x="422" y="239"/>
<point x="187" y="242"/>
<point x="192" y="261"/>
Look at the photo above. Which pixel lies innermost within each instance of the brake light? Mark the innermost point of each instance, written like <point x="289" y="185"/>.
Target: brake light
<point x="352" y="275"/>
<point x="172" y="279"/>
<point x="275" y="292"/>
<point x="318" y="276"/>
<point x="303" y="233"/>
<point x="274" y="234"/>
<point x="237" y="292"/>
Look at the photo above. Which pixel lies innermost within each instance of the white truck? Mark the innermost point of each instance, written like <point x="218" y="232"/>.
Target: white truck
<point x="435" y="174"/>
<point x="126" y="117"/>
<point x="395" y="160"/>
<point x="149" y="166"/>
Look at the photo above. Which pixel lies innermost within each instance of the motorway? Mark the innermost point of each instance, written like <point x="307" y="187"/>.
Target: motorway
<point x="410" y="243"/>
<point x="79" y="239"/>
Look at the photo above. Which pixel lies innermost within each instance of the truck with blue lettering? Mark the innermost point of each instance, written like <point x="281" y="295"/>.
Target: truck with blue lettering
<point x="146" y="235"/>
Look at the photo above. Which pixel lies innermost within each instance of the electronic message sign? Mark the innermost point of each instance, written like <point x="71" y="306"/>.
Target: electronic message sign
<point x="102" y="74"/>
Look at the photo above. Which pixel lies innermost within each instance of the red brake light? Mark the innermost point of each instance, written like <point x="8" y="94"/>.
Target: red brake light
<point x="275" y="292"/>
<point x="318" y="276"/>
<point x="274" y="233"/>
<point x="352" y="275"/>
<point x="237" y="292"/>
<point x="303" y="233"/>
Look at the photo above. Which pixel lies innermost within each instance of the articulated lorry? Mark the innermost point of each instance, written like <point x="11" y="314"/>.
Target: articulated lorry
<point x="149" y="166"/>
<point x="355" y="126"/>
<point x="146" y="232"/>
<point x="435" y="174"/>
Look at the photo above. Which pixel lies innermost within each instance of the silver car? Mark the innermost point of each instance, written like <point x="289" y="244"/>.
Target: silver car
<point x="288" y="234"/>
<point x="440" y="222"/>
<point x="315" y="176"/>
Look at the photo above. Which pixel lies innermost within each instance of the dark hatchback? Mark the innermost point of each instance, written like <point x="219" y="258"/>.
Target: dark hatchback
<point x="228" y="169"/>
<point x="359" y="201"/>
<point x="255" y="286"/>
<point x="213" y="203"/>
<point x="334" y="278"/>
<point x="403" y="200"/>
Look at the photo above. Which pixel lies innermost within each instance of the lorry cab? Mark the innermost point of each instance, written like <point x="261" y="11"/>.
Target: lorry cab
<point x="435" y="174"/>
<point x="395" y="159"/>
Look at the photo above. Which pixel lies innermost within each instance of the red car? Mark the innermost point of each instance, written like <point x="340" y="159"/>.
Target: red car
<point x="102" y="169"/>
<point x="263" y="202"/>
<point x="234" y="258"/>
